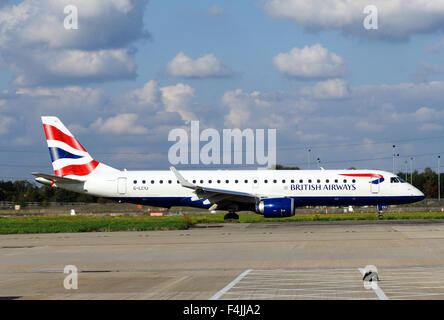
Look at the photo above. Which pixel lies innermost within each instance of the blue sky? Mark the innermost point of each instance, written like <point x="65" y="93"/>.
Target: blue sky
<point x="360" y="92"/>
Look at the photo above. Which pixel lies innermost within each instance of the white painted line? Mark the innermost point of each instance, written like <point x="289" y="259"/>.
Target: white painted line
<point x="334" y="290"/>
<point x="314" y="296"/>
<point x="381" y="295"/>
<point x="230" y="285"/>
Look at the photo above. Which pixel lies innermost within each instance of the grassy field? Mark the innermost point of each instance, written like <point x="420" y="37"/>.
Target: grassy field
<point x="53" y="224"/>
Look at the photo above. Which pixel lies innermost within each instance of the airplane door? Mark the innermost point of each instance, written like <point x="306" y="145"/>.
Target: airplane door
<point x="374" y="187"/>
<point x="121" y="185"/>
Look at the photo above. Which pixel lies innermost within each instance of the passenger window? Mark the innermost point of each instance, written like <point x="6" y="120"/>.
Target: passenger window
<point x="336" y="180"/>
<point x="201" y="181"/>
<point x="345" y="181"/>
<point x="246" y="181"/>
<point x="255" y="181"/>
<point x="218" y="181"/>
<point x="265" y="181"/>
<point x="143" y="181"/>
<point x="209" y="181"/>
<point x="135" y="181"/>
<point x="169" y="181"/>
<point x="283" y="181"/>
<point x="227" y="181"/>
<point x="309" y="180"/>
<point x="301" y="181"/>
<point x="319" y="181"/>
<point x="152" y="181"/>
<point x="194" y="181"/>
<point x="292" y="180"/>
<point x="327" y="181"/>
<point x="274" y="181"/>
<point x="354" y="181"/>
<point x="160" y="181"/>
<point x="236" y="181"/>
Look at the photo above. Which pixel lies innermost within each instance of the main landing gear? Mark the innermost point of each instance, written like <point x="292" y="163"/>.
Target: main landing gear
<point x="231" y="214"/>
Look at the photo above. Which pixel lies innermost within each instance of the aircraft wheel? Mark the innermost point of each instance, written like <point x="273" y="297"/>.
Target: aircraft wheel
<point x="231" y="215"/>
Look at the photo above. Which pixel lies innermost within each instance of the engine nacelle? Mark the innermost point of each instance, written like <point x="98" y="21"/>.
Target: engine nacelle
<point x="276" y="207"/>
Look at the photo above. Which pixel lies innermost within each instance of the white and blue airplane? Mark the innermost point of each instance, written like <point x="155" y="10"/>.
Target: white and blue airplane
<point x="272" y="193"/>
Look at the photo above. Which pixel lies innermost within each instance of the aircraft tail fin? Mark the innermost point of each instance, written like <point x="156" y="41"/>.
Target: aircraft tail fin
<point x="69" y="158"/>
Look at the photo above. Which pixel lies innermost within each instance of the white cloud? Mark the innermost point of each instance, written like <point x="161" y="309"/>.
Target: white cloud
<point x="37" y="49"/>
<point x="436" y="47"/>
<point x="177" y="98"/>
<point x="329" y="89"/>
<point x="215" y="11"/>
<point x="65" y="66"/>
<point x="239" y="104"/>
<point x="120" y="124"/>
<point x="425" y="70"/>
<point x="397" y="19"/>
<point x="147" y="97"/>
<point x="262" y="110"/>
<point x="5" y="122"/>
<point x="310" y="62"/>
<point x="430" y="127"/>
<point x="424" y="114"/>
<point x="203" y="67"/>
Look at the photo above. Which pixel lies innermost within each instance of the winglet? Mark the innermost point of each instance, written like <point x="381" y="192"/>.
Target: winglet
<point x="183" y="182"/>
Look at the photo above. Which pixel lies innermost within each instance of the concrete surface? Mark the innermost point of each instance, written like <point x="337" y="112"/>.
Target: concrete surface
<point x="285" y="261"/>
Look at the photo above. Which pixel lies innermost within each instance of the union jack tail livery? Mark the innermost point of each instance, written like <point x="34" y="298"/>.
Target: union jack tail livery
<point x="69" y="158"/>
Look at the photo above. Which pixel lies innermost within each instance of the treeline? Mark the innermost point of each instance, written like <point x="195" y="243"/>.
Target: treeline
<point x="426" y="181"/>
<point x="22" y="191"/>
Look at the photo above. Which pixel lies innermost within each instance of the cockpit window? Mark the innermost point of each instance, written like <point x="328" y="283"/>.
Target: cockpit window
<point x="401" y="180"/>
<point x="394" y="180"/>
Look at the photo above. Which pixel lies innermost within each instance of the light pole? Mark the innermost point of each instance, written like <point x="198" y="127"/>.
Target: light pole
<point x="411" y="170"/>
<point x="308" y="159"/>
<point x="406" y="170"/>
<point x="439" y="182"/>
<point x="393" y="170"/>
<point x="319" y="163"/>
<point x="394" y="162"/>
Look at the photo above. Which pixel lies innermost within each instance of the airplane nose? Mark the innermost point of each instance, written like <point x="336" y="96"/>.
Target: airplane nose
<point x="419" y="194"/>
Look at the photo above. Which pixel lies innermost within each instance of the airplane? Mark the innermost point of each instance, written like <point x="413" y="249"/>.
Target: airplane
<point x="272" y="193"/>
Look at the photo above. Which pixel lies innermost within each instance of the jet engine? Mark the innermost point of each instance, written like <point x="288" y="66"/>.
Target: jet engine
<point x="276" y="207"/>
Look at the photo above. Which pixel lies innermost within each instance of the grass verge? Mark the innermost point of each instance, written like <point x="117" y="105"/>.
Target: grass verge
<point x="54" y="224"/>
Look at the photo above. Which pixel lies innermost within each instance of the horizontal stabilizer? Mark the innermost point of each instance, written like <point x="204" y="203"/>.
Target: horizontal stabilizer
<point x="55" y="178"/>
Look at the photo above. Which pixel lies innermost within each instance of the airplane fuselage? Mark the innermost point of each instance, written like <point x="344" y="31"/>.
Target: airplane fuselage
<point x="307" y="187"/>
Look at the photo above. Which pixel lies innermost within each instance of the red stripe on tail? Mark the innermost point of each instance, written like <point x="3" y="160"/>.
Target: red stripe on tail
<point x="52" y="133"/>
<point x="77" y="169"/>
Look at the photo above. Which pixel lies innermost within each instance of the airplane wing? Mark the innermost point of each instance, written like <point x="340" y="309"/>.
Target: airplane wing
<point x="55" y="178"/>
<point x="216" y="196"/>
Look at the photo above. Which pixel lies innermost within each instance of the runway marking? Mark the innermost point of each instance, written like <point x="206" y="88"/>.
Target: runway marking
<point x="303" y="285"/>
<point x="313" y="296"/>
<point x="230" y="285"/>
<point x="381" y="295"/>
